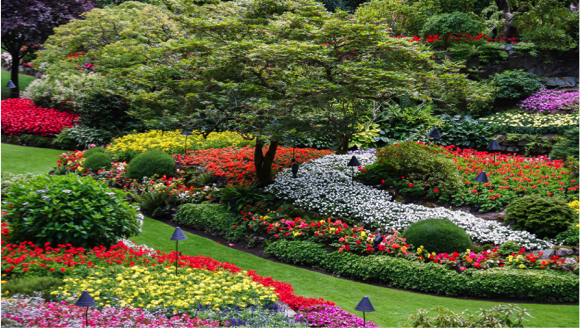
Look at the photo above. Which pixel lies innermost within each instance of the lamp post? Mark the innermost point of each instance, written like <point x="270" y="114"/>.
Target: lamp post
<point x="185" y="133"/>
<point x="365" y="306"/>
<point x="85" y="301"/>
<point x="294" y="165"/>
<point x="12" y="88"/>
<point x="493" y="145"/>
<point x="435" y="133"/>
<point x="177" y="236"/>
<point x="481" y="178"/>
<point x="354" y="163"/>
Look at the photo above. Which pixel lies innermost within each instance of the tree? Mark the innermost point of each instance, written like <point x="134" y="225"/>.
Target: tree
<point x="28" y="23"/>
<point x="274" y="67"/>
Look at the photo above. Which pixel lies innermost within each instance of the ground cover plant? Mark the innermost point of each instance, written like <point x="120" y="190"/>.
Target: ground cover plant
<point x="21" y="116"/>
<point x="531" y="123"/>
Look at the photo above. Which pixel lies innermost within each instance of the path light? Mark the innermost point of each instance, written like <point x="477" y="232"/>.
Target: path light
<point x="435" y="133"/>
<point x="12" y="88"/>
<point x="365" y="306"/>
<point x="177" y="236"/>
<point x="481" y="178"/>
<point x="354" y="163"/>
<point x="85" y="301"/>
<point x="185" y="133"/>
<point x="294" y="165"/>
<point x="493" y="145"/>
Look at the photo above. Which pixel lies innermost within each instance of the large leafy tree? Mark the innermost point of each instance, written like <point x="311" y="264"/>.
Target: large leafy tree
<point x="276" y="67"/>
<point x="28" y="23"/>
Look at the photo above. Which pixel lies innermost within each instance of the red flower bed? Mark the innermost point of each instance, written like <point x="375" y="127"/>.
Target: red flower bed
<point x="21" y="116"/>
<point x="237" y="164"/>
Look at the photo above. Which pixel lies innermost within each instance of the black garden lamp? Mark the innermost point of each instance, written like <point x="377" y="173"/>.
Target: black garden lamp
<point x="435" y="133"/>
<point x="177" y="236"/>
<point x="365" y="306"/>
<point x="354" y="163"/>
<point x="481" y="178"/>
<point x="185" y="133"/>
<point x="85" y="301"/>
<point x="11" y="86"/>
<point x="294" y="165"/>
<point x="493" y="146"/>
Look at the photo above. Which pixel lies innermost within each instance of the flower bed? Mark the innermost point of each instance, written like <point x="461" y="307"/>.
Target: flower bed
<point x="531" y="123"/>
<point x="21" y="116"/>
<point x="331" y="317"/>
<point x="237" y="165"/>
<point x="326" y="185"/>
<point x="551" y="100"/>
<point x="172" y="142"/>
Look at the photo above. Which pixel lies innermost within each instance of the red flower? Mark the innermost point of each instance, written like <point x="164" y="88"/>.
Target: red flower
<point x="62" y="269"/>
<point x="436" y="190"/>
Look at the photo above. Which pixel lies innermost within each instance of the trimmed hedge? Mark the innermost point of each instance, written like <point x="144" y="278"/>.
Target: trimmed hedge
<point x="544" y="286"/>
<point x="297" y="252"/>
<point x="212" y="219"/>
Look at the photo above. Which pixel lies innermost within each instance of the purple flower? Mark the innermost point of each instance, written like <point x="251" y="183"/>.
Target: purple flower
<point x="549" y="100"/>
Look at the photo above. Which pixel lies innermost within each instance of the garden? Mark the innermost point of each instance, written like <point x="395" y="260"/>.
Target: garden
<point x="270" y="163"/>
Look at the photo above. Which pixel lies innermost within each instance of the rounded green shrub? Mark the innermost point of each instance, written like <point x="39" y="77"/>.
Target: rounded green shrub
<point x="509" y="247"/>
<point x="543" y="216"/>
<point x="67" y="209"/>
<point x="98" y="161"/>
<point x="437" y="235"/>
<point x="516" y="84"/>
<point x="91" y="151"/>
<point x="150" y="163"/>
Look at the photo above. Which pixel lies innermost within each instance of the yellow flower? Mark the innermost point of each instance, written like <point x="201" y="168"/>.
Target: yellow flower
<point x="522" y="266"/>
<point x="362" y="233"/>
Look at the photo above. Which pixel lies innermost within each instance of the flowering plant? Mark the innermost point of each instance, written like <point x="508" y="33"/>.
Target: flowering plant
<point x="531" y="123"/>
<point x="331" y="317"/>
<point x="551" y="100"/>
<point x="21" y="116"/>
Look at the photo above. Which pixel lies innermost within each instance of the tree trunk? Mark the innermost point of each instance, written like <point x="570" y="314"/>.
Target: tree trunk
<point x="14" y="93"/>
<point x="343" y="148"/>
<point x="508" y="31"/>
<point x="263" y="163"/>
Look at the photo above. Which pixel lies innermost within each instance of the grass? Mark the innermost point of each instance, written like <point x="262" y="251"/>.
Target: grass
<point x="20" y="159"/>
<point x="23" y="81"/>
<point x="392" y="306"/>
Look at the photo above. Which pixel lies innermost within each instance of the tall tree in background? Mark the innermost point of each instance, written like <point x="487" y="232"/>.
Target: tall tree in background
<point x="28" y="23"/>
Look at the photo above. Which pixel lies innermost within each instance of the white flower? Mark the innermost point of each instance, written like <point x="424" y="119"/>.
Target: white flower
<point x="66" y="191"/>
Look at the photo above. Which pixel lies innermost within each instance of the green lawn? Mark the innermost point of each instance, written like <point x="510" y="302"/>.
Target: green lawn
<point x="392" y="306"/>
<point x="19" y="159"/>
<point x="23" y="81"/>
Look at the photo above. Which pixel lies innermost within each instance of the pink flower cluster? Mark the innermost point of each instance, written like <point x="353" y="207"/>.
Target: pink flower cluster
<point x="551" y="100"/>
<point x="331" y="317"/>
<point x="35" y="312"/>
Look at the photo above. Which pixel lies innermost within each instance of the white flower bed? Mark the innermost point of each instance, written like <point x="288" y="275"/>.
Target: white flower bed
<point x="325" y="185"/>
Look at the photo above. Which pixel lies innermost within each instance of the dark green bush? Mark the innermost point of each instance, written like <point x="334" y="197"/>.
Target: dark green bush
<point x="437" y="235"/>
<point x="567" y="147"/>
<point x="92" y="151"/>
<point x="29" y="285"/>
<point x="516" y="84"/>
<point x="508" y="248"/>
<point x="569" y="237"/>
<point x="464" y="132"/>
<point x="212" y="219"/>
<point x="66" y="209"/>
<point x="150" y="163"/>
<point x="297" y="252"/>
<point x="98" y="161"/>
<point x="543" y="216"/>
<point x="451" y="23"/>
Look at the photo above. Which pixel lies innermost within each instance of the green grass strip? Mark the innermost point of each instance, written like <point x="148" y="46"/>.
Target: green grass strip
<point x="20" y="159"/>
<point x="392" y="306"/>
<point x="23" y="81"/>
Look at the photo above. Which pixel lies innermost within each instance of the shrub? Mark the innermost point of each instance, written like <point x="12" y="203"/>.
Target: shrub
<point x="297" y="252"/>
<point x="544" y="216"/>
<point x="92" y="151"/>
<point x="497" y="316"/>
<point x="150" y="163"/>
<point x="104" y="111"/>
<point x="10" y="179"/>
<point x="82" y="136"/>
<point x="436" y="235"/>
<point x="212" y="219"/>
<point x="98" y="161"/>
<point x="509" y="247"/>
<point x="569" y="237"/>
<point x="445" y="24"/>
<point x="68" y="209"/>
<point x="567" y="147"/>
<point x="516" y="84"/>
<point x="21" y="116"/>
<point x="29" y="286"/>
<point x="464" y="132"/>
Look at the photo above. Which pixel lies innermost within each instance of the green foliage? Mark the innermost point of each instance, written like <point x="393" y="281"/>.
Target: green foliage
<point x="451" y="23"/>
<point x="154" y="203"/>
<point x="98" y="161"/>
<point x="491" y="52"/>
<point x="212" y="219"/>
<point x="568" y="146"/>
<point x="66" y="209"/>
<point x="297" y="252"/>
<point x="367" y="137"/>
<point x="10" y="179"/>
<point x="543" y="216"/>
<point x="94" y="150"/>
<point x="508" y="248"/>
<point x="463" y="132"/>
<point x="243" y="194"/>
<point x="516" y="84"/>
<point x="410" y="166"/>
<point x="82" y="136"/>
<point x="29" y="286"/>
<point x="569" y="237"/>
<point x="437" y="235"/>
<point x="107" y="112"/>
<point x="498" y="316"/>
<point x="400" y="123"/>
<point x="150" y="163"/>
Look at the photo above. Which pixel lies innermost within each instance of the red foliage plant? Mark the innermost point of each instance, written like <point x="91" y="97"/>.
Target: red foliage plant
<point x="21" y="116"/>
